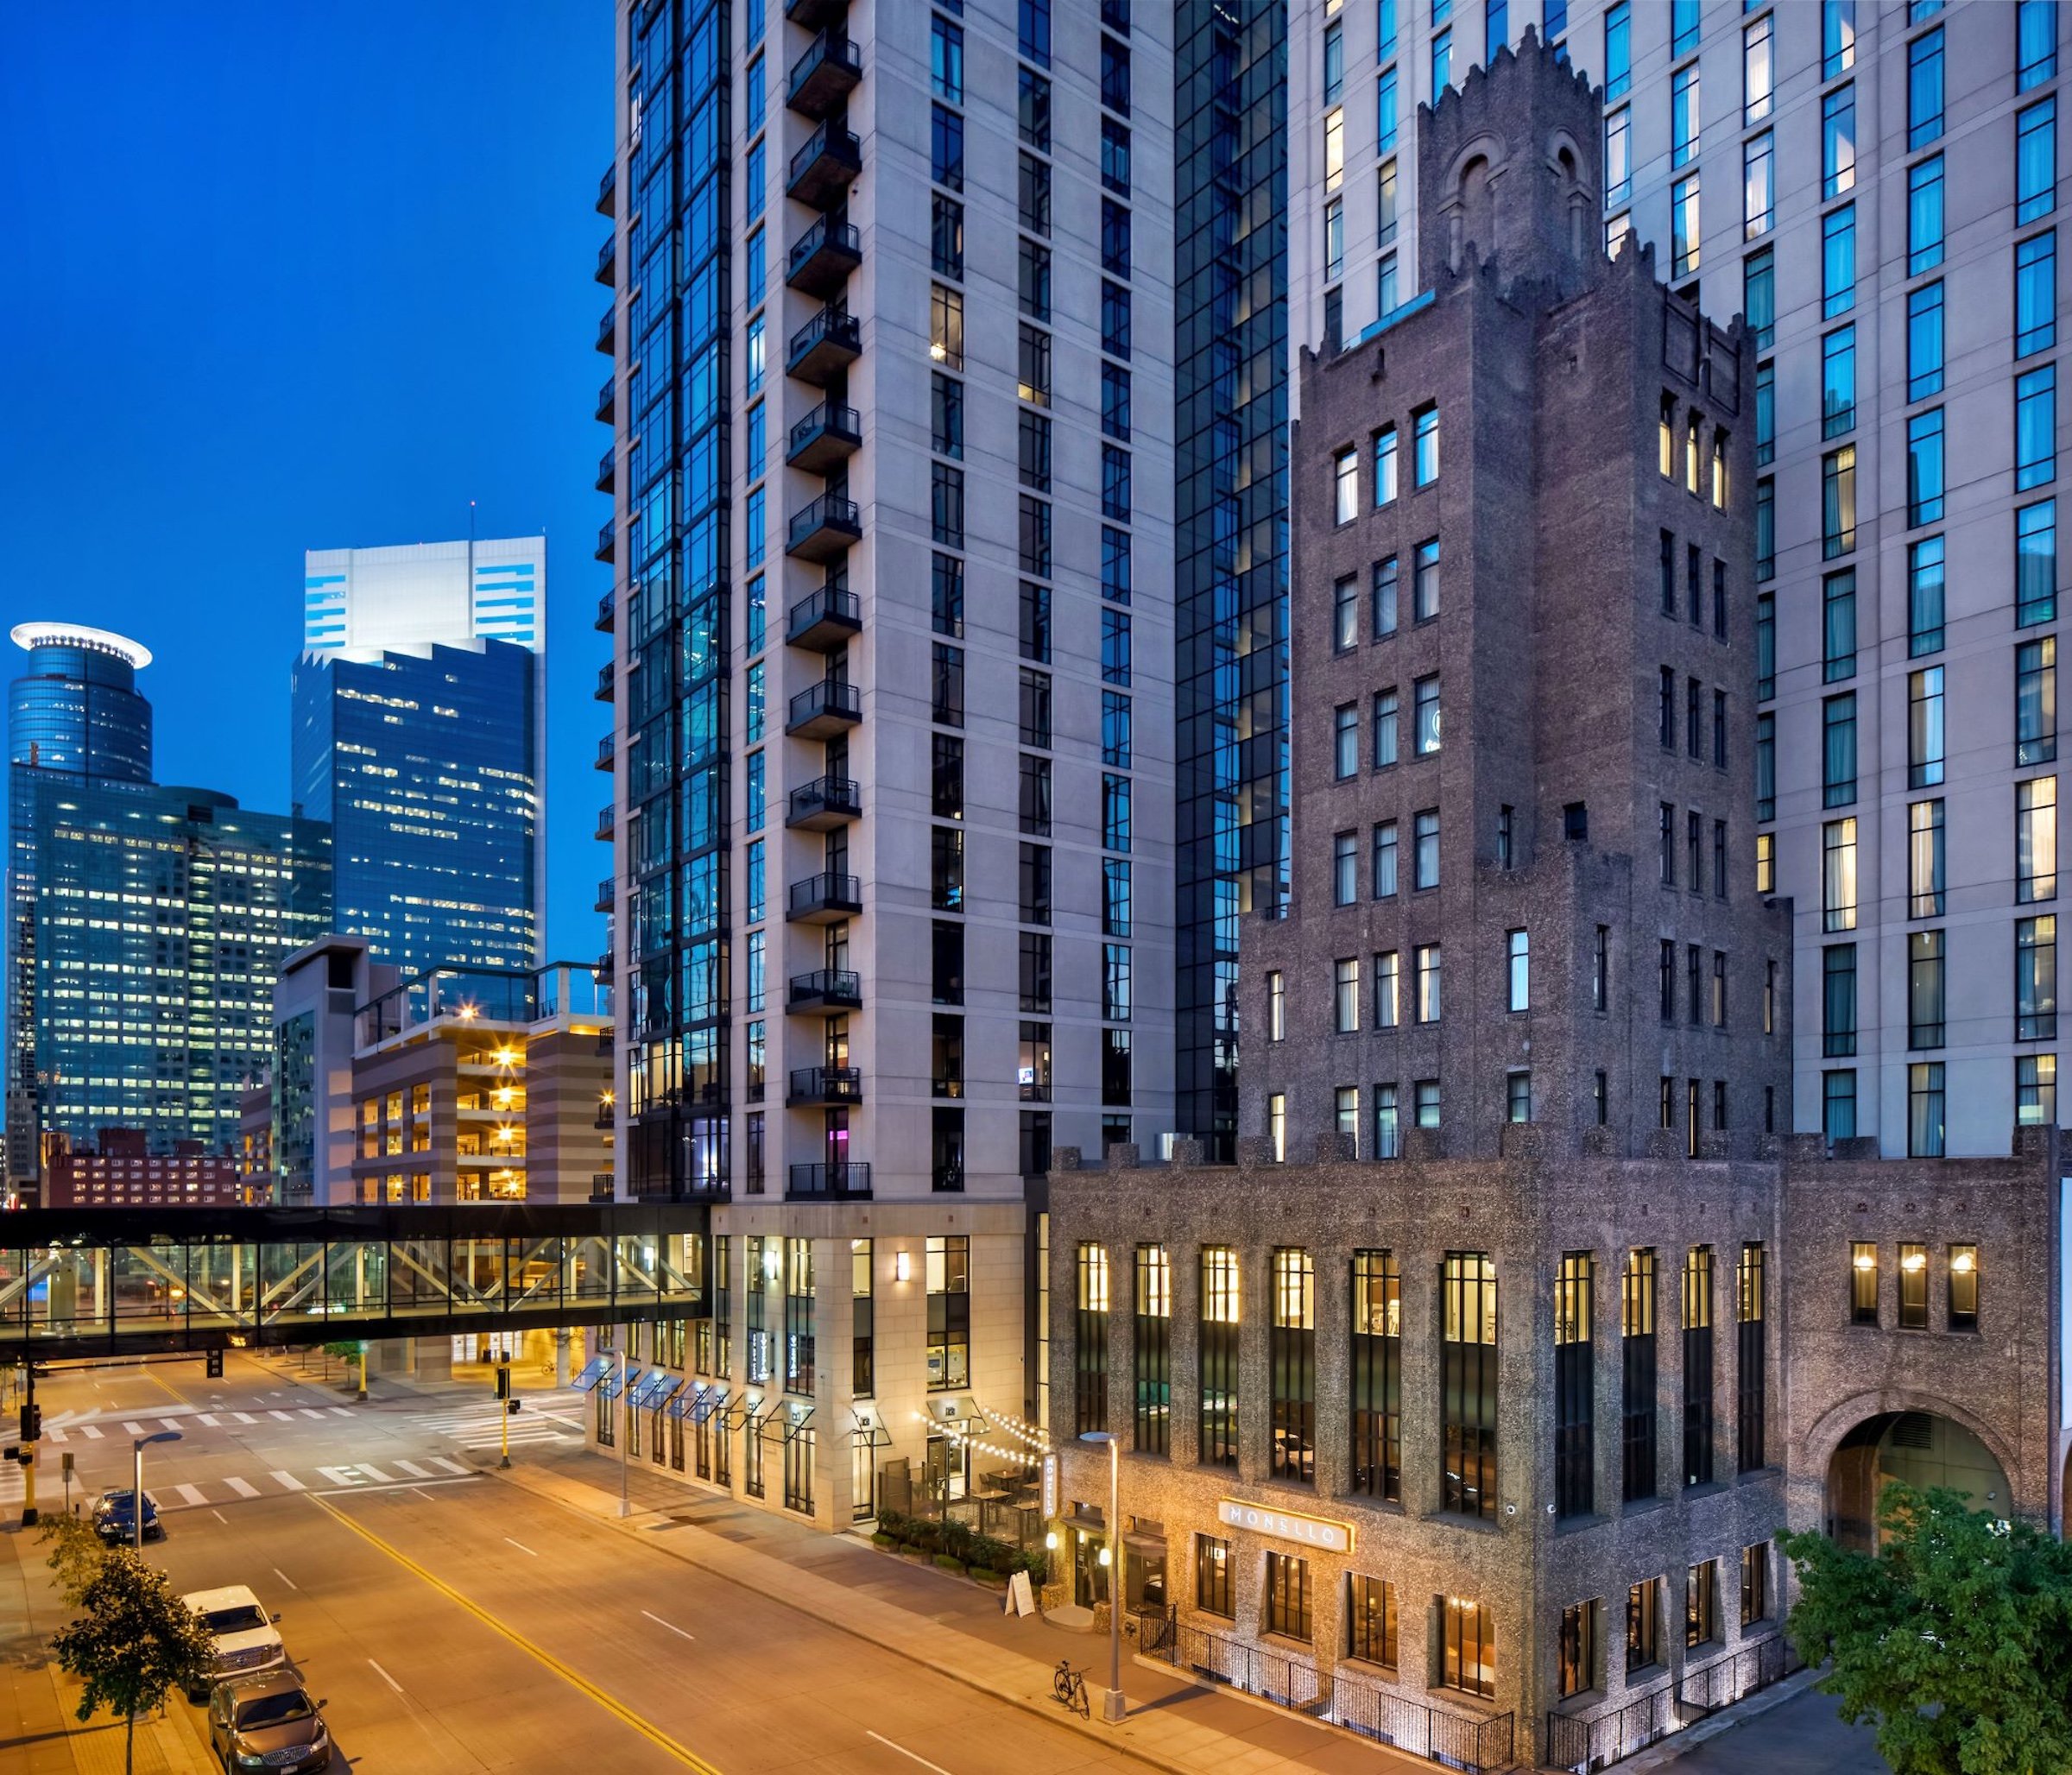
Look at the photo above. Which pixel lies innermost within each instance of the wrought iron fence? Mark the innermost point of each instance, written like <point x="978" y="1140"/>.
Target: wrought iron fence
<point x="1726" y="1680"/>
<point x="1272" y="1675"/>
<point x="1458" y="1741"/>
<point x="1586" y="1745"/>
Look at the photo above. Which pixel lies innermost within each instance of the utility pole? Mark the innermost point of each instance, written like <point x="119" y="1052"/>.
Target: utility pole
<point x="625" y="1504"/>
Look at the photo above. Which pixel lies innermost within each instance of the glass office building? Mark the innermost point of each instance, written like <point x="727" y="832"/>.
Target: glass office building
<point x="75" y="709"/>
<point x="426" y="764"/>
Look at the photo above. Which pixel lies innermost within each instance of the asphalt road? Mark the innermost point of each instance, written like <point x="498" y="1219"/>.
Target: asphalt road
<point x="451" y="1622"/>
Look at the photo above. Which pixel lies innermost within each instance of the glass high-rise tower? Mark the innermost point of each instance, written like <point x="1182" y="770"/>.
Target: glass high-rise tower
<point x="75" y="709"/>
<point x="418" y="735"/>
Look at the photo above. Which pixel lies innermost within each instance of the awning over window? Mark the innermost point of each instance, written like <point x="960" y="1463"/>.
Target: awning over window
<point x="659" y="1385"/>
<point x="711" y="1402"/>
<point x="869" y="1431"/>
<point x="755" y="1414"/>
<point x="593" y="1371"/>
<point x="682" y="1402"/>
<point x="793" y="1419"/>
<point x="957" y="1411"/>
<point x="608" y="1387"/>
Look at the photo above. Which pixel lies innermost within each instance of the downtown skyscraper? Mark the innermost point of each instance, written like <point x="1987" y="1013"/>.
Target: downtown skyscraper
<point x="891" y="755"/>
<point x="419" y="736"/>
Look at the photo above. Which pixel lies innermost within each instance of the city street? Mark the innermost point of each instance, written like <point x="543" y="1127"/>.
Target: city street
<point x="453" y="1622"/>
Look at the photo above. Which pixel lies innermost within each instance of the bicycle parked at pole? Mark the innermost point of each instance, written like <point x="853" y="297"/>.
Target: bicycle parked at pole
<point x="1069" y="1687"/>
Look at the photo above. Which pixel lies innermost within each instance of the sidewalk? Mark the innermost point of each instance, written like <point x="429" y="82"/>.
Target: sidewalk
<point x="952" y="1627"/>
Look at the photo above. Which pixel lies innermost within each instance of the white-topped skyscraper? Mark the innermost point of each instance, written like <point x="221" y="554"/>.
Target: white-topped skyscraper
<point x="419" y="731"/>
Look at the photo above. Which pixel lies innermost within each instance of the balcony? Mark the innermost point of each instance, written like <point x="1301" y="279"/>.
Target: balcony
<point x="600" y="1186"/>
<point x="825" y="75"/>
<point x="608" y="751"/>
<point x="824" y="439"/>
<point x="831" y="1086"/>
<point x="824" y="530"/>
<point x="608" y="610"/>
<point x="832" y="706"/>
<point x="824" y="620"/>
<point x="602" y="971"/>
<point x="831" y="340"/>
<point x="947" y="1179"/>
<point x="607" y="542"/>
<point x="830" y="989"/>
<point x="607" y="190"/>
<point x="607" y="473"/>
<point x="607" y="330"/>
<point x="948" y="1084"/>
<point x="608" y="400"/>
<point x="815" y="14"/>
<point x="821" y="171"/>
<point x="821" y="259"/>
<point x="824" y="898"/>
<point x="847" y="1180"/>
<point x="607" y="895"/>
<point x="605" y="690"/>
<point x="608" y="261"/>
<point x="824" y="804"/>
<point x="608" y="820"/>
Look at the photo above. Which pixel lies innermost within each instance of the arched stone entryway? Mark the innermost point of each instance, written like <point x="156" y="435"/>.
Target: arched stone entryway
<point x="1921" y="1449"/>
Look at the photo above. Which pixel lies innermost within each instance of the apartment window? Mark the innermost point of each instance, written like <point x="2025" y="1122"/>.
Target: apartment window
<point x="1034" y="429"/>
<point x="1386" y="113"/>
<point x="1924" y="341"/>
<point x="1370" y="1620"/>
<point x="1924" y="89"/>
<point x="1759" y="296"/>
<point x="1384" y="729"/>
<point x="1345" y="862"/>
<point x="1924" y="989"/>
<point x="1517" y="1097"/>
<point x="2035" y="840"/>
<point x="1643" y="1626"/>
<point x="1334" y="149"/>
<point x="1702" y="1604"/>
<point x="1751" y="1377"/>
<point x="2036" y="564"/>
<point x="1277" y="1125"/>
<point x="1518" y="992"/>
<point x="946" y="236"/>
<point x="1665" y="971"/>
<point x="1913" y="1287"/>
<point x="1089" y="1364"/>
<point x="1114" y="318"/>
<point x="2035" y="43"/>
<point x="1618" y="158"/>
<point x="946" y="147"/>
<point x="1154" y="1376"/>
<point x="1424" y="582"/>
<point x="1115" y="76"/>
<point x="1838" y="999"/>
<point x="1114" y="563"/>
<point x="1218" y="1335"/>
<point x="1924" y="859"/>
<point x="1697" y="1366"/>
<point x="2036" y="294"/>
<point x="1683" y="226"/>
<point x="1212" y="1569"/>
<point x="1114" y="982"/>
<point x="1838" y="141"/>
<point x="1758" y="72"/>
<point x="1033" y="364"/>
<point x="1665" y="713"/>
<point x="1115" y="238"/>
<point x="1766" y="646"/>
<point x="1838" y="1104"/>
<point x="1838" y="626"/>
<point x="1924" y="561"/>
<point x="1386" y="986"/>
<point x="1863" y="1283"/>
<point x="1766" y="872"/>
<point x="1383" y="595"/>
<point x="1924" y="469"/>
<point x="1292" y="1356"/>
<point x="2035" y="701"/>
<point x="1924" y="730"/>
<point x="1468" y="1387"/>
<point x="1425" y="695"/>
<point x="1276" y="1010"/>
<point x="947" y="326"/>
<point x="1467" y="1629"/>
<point x="1766" y="530"/>
<point x="1385" y="465"/>
<point x="1424" y="853"/>
<point x="1429" y="964"/>
<point x="1387" y="1142"/>
<point x="1924" y="1110"/>
<point x="1345" y="482"/>
<point x="1683" y="116"/>
<point x="1838" y="262"/>
<point x="1035" y="805"/>
<point x="2035" y="161"/>
<point x="1574" y="1387"/>
<point x="1838" y="381"/>
<point x="1385" y="859"/>
<point x="1601" y="969"/>
<point x="1345" y="614"/>
<point x="1345" y="997"/>
<point x="1617" y="50"/>
<point x="2036" y="978"/>
<point x="1765" y="414"/>
<point x="1442" y="61"/>
<point x="1287" y="1611"/>
<point x="1964" y="1283"/>
<point x="1838" y="750"/>
<point x="1425" y="446"/>
<point x="1576" y="1650"/>
<point x="1035" y="625"/>
<point x="2034" y="428"/>
<point x="1924" y="215"/>
<point x="1636" y="1380"/>
<point x="1838" y="501"/>
<point x="1114" y="156"/>
<point x="1345" y="739"/>
<point x="946" y="60"/>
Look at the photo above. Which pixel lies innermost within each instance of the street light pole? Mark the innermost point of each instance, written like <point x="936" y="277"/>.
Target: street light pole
<point x="626" y="1405"/>
<point x="1114" y="1707"/>
<point x="137" y="1494"/>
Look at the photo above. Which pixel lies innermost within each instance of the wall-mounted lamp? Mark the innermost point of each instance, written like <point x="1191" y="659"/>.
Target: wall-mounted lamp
<point x="900" y="1268"/>
<point x="1104" y="1556"/>
<point x="1050" y="1540"/>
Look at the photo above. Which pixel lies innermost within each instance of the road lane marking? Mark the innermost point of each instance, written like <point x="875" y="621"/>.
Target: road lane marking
<point x="903" y="1750"/>
<point x="53" y="1435"/>
<point x="244" y="1487"/>
<point x="285" y="1579"/>
<point x="191" y="1494"/>
<point x="220" y="1517"/>
<point x="672" y="1625"/>
<point x="342" y="1476"/>
<point x="521" y="1547"/>
<point x="653" y="1734"/>
<point x="285" y="1417"/>
<point x="92" y="1433"/>
<point x="167" y="1385"/>
<point x="288" y="1479"/>
<point x="386" y="1677"/>
<point x="441" y="1460"/>
<point x="307" y="1412"/>
<point x="171" y="1424"/>
<point x="207" y="1418"/>
<point x="134" y="1429"/>
<point x="244" y="1417"/>
<point x="375" y="1473"/>
<point x="401" y="1485"/>
<point x="414" y="1469"/>
<point x="341" y="1411"/>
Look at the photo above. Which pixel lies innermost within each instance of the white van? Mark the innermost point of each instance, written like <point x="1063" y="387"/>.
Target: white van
<point x="246" y="1640"/>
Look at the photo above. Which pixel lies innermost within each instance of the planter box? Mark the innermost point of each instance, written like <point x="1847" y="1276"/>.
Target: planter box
<point x="883" y="1541"/>
<point x="949" y="1562"/>
<point x="991" y="1580"/>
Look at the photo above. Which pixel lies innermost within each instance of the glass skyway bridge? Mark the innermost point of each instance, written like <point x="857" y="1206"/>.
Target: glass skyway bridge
<point x="89" y="1282"/>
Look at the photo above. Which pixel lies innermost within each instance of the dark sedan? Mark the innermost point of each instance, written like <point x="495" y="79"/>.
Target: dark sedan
<point x="115" y="1518"/>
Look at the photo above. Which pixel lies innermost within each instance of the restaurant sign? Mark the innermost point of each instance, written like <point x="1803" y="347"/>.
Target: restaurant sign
<point x="1285" y="1525"/>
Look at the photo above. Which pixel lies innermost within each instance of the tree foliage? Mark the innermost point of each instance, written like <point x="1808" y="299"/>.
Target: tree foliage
<point x="76" y="1554"/>
<point x="1954" y="1641"/>
<point x="134" y="1640"/>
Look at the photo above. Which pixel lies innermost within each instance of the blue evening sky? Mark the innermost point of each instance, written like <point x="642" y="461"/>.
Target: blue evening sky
<point x="276" y="277"/>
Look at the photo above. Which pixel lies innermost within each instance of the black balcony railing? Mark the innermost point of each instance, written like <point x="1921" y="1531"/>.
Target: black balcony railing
<point x="826" y="896"/>
<point x="846" y="1180"/>
<point x="608" y="400"/>
<point x="822" y="257"/>
<point x="608" y="751"/>
<point x="829" y="989"/>
<point x="600" y="1186"/>
<point x="824" y="530"/>
<point x="821" y="171"/>
<point x="830" y="339"/>
<point x="607" y="330"/>
<point x="607" y="261"/>
<point x="607" y="895"/>
<point x="826" y="1084"/>
<point x="948" y="1084"/>
<point x="826" y="435"/>
<point x="607" y="189"/>
<point x="825" y="619"/>
<point x="607" y="608"/>
<point x="824" y="803"/>
<point x="947" y="1179"/>
<point x="607" y="541"/>
<point x="608" y="820"/>
<point x="606" y="689"/>
<point x="823" y="709"/>
<point x="825" y="75"/>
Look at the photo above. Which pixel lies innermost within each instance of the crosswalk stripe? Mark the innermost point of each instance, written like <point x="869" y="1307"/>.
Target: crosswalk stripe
<point x="285" y="1417"/>
<point x="170" y="1422"/>
<point x="341" y="1411"/>
<point x="53" y="1435"/>
<point x="92" y="1433"/>
<point x="244" y="1417"/>
<point x="191" y="1493"/>
<point x="413" y="1468"/>
<point x="134" y="1429"/>
<point x="207" y="1418"/>
<point x="289" y="1481"/>
<point x="441" y="1460"/>
<point x="373" y="1473"/>
<point x="244" y="1487"/>
<point x="307" y="1412"/>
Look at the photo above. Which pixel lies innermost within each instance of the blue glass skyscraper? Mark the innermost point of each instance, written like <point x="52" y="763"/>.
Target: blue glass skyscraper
<point x="419" y="736"/>
<point x="75" y="709"/>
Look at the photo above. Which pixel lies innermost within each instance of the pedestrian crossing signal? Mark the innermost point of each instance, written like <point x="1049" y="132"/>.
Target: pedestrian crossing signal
<point x="511" y="1406"/>
<point x="503" y="1380"/>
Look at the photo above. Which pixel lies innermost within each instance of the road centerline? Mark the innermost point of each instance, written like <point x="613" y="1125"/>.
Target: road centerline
<point x="672" y="1625"/>
<point x="903" y="1750"/>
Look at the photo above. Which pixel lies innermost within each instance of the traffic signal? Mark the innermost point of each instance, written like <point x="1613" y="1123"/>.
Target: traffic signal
<point x="214" y="1371"/>
<point x="511" y="1406"/>
<point x="32" y="1422"/>
<point x="503" y="1380"/>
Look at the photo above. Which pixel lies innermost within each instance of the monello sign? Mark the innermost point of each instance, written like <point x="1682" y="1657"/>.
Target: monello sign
<point x="1310" y="1530"/>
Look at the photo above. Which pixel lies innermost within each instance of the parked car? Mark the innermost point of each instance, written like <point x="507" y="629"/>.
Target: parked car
<point x="246" y="1641"/>
<point x="269" y="1722"/>
<point x="114" y="1519"/>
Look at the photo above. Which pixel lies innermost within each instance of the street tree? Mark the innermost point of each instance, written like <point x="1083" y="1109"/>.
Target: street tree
<point x="76" y="1554"/>
<point x="133" y="1641"/>
<point x="1953" y="1639"/>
